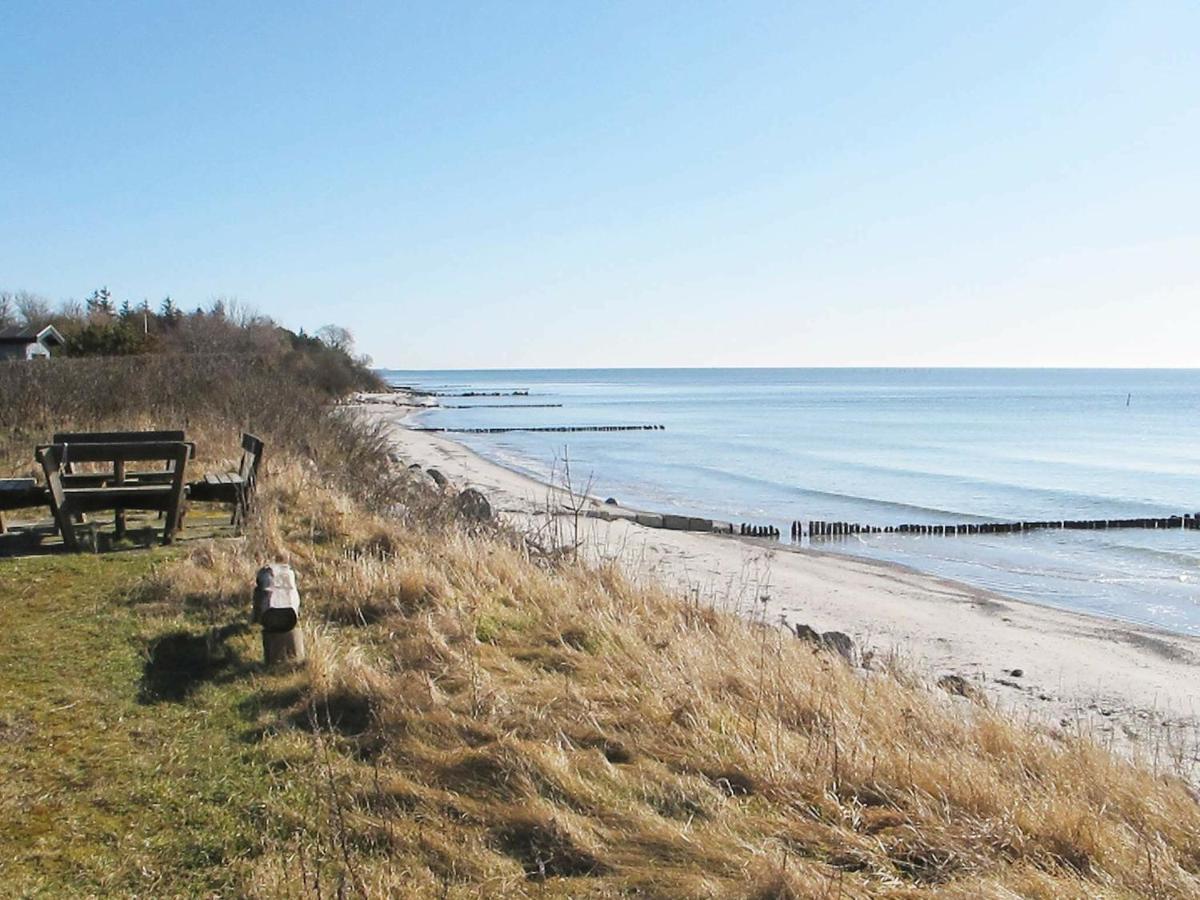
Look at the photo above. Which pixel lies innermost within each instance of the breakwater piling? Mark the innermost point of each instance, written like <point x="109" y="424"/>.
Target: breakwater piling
<point x="767" y="531"/>
<point x="500" y="406"/>
<point x="547" y="428"/>
<point x="524" y="393"/>
<point x="819" y="529"/>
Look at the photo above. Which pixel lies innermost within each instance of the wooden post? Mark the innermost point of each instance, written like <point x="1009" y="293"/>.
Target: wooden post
<point x="277" y="609"/>
<point x="119" y="512"/>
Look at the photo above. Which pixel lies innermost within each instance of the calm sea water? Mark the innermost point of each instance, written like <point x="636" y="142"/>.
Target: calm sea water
<point x="887" y="446"/>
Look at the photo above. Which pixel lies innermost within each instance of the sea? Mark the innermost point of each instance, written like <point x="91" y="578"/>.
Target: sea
<point x="884" y="447"/>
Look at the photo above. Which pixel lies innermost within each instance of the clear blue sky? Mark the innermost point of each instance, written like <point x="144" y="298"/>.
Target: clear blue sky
<point x="541" y="184"/>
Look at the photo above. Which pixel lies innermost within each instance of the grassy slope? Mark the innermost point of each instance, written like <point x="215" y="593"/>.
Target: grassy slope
<point x="473" y="721"/>
<point x="116" y="777"/>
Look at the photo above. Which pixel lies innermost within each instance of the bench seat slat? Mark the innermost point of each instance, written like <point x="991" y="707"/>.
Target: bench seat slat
<point x="23" y="500"/>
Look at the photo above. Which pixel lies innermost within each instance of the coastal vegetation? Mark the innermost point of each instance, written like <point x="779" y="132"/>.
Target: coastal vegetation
<point x="480" y="714"/>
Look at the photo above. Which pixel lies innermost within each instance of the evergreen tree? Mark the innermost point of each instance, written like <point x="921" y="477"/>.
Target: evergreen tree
<point x="169" y="312"/>
<point x="100" y="303"/>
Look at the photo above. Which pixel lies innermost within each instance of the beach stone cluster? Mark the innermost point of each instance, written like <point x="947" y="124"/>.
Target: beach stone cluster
<point x="834" y="641"/>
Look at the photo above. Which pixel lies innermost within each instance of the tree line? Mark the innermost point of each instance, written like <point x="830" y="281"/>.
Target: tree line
<point x="100" y="326"/>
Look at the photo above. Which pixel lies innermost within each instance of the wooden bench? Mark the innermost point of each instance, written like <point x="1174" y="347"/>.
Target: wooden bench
<point x="238" y="487"/>
<point x="19" y="493"/>
<point x="71" y="495"/>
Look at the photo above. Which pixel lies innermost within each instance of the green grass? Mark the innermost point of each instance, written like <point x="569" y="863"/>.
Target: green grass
<point x="130" y="751"/>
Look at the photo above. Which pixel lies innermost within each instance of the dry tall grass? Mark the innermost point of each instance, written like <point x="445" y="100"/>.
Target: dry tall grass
<point x="285" y="397"/>
<point x="490" y="723"/>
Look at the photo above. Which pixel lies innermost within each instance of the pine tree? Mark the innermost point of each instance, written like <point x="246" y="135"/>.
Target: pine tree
<point x="100" y="303"/>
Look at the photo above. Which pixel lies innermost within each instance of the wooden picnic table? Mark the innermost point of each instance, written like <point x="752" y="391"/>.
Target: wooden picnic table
<point x="90" y="471"/>
<point x="73" y="493"/>
<point x="119" y="475"/>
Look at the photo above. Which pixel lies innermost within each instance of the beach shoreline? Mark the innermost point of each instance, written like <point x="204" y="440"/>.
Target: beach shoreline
<point x="1133" y="686"/>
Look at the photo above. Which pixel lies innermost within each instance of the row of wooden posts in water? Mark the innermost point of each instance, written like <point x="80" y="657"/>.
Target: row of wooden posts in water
<point x="748" y="530"/>
<point x="821" y="529"/>
<point x="553" y="428"/>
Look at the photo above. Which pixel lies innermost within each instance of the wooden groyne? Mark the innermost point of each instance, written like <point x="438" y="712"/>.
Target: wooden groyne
<point x="499" y="405"/>
<point x="748" y="530"/>
<point x="476" y="394"/>
<point x="818" y="529"/>
<point x="547" y="428"/>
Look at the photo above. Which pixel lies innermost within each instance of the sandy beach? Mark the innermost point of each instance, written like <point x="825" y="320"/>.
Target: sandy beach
<point x="1133" y="686"/>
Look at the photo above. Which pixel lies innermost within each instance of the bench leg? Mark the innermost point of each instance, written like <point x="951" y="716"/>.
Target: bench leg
<point x="66" y="527"/>
<point x="3" y="529"/>
<point x="172" y="520"/>
<point x="240" y="507"/>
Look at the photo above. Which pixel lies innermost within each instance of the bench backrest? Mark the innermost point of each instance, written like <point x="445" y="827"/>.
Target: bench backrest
<point x="252" y="451"/>
<point x="117" y="451"/>
<point x="123" y="437"/>
<point x="108" y="437"/>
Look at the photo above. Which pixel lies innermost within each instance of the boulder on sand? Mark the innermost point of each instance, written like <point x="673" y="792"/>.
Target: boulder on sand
<point x="438" y="477"/>
<point x="473" y="505"/>
<point x="958" y="686"/>
<point x="834" y="641"/>
<point x="840" y="643"/>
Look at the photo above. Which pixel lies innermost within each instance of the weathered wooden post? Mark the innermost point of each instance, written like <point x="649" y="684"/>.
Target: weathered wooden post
<point x="277" y="609"/>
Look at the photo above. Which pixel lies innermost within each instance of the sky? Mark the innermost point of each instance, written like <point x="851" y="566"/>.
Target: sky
<point x="642" y="183"/>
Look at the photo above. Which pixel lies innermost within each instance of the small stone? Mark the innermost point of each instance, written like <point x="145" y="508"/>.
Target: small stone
<point x="611" y="501"/>
<point x="1016" y="673"/>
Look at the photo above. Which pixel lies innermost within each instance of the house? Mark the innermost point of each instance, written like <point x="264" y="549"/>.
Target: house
<point x="22" y="342"/>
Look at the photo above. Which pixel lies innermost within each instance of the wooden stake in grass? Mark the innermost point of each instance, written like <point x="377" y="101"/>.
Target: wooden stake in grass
<point x="277" y="609"/>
